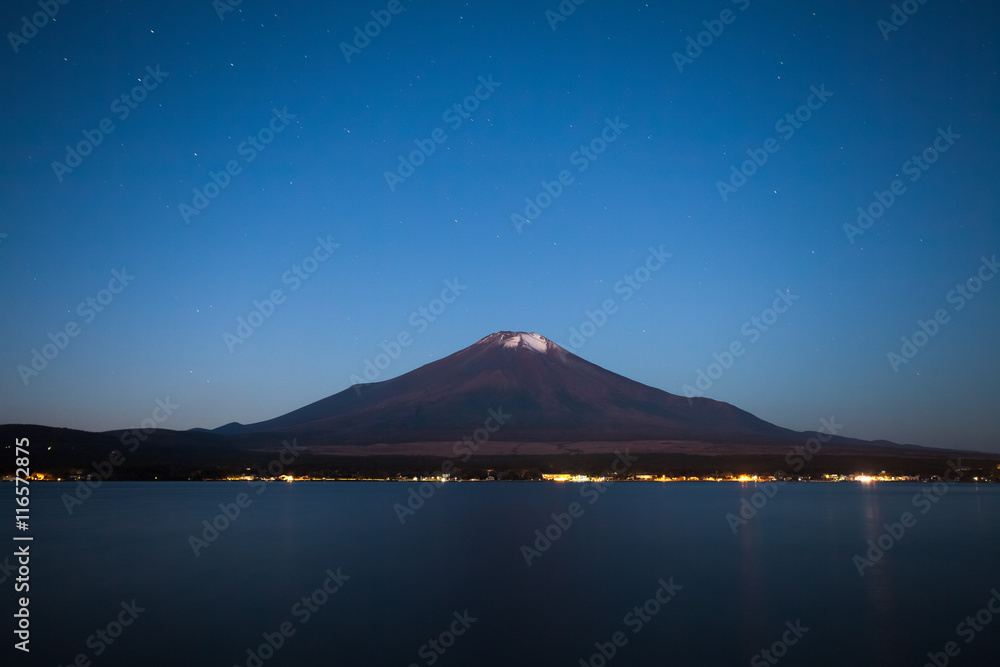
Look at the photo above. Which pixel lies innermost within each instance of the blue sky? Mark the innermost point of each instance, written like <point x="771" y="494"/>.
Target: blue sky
<point x="271" y="82"/>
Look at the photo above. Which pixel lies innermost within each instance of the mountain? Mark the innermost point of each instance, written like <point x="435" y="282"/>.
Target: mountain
<point x="549" y="393"/>
<point x="516" y="399"/>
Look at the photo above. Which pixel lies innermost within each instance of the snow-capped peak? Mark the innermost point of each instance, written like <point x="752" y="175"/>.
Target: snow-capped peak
<point x="532" y="340"/>
<point x="516" y="339"/>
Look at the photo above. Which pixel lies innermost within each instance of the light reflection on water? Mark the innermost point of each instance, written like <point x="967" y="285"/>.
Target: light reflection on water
<point x="793" y="560"/>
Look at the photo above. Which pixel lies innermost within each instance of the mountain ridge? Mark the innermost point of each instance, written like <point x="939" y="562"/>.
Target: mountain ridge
<point x="553" y="396"/>
<point x="555" y="405"/>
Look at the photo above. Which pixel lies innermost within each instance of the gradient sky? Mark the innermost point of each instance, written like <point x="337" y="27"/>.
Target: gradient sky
<point x="655" y="185"/>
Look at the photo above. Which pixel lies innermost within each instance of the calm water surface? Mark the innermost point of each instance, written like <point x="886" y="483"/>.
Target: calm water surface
<point x="459" y="556"/>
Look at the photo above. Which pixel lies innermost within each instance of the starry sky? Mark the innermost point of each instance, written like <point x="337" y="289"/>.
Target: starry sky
<point x="239" y="208"/>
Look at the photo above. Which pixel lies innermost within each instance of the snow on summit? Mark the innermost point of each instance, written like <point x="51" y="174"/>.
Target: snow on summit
<point x="518" y="338"/>
<point x="532" y="340"/>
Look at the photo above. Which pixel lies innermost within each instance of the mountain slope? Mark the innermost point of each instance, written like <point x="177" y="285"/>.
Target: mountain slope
<point x="555" y="406"/>
<point x="549" y="393"/>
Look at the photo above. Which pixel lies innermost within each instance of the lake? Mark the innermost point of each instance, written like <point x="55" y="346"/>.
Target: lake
<point x="631" y="574"/>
